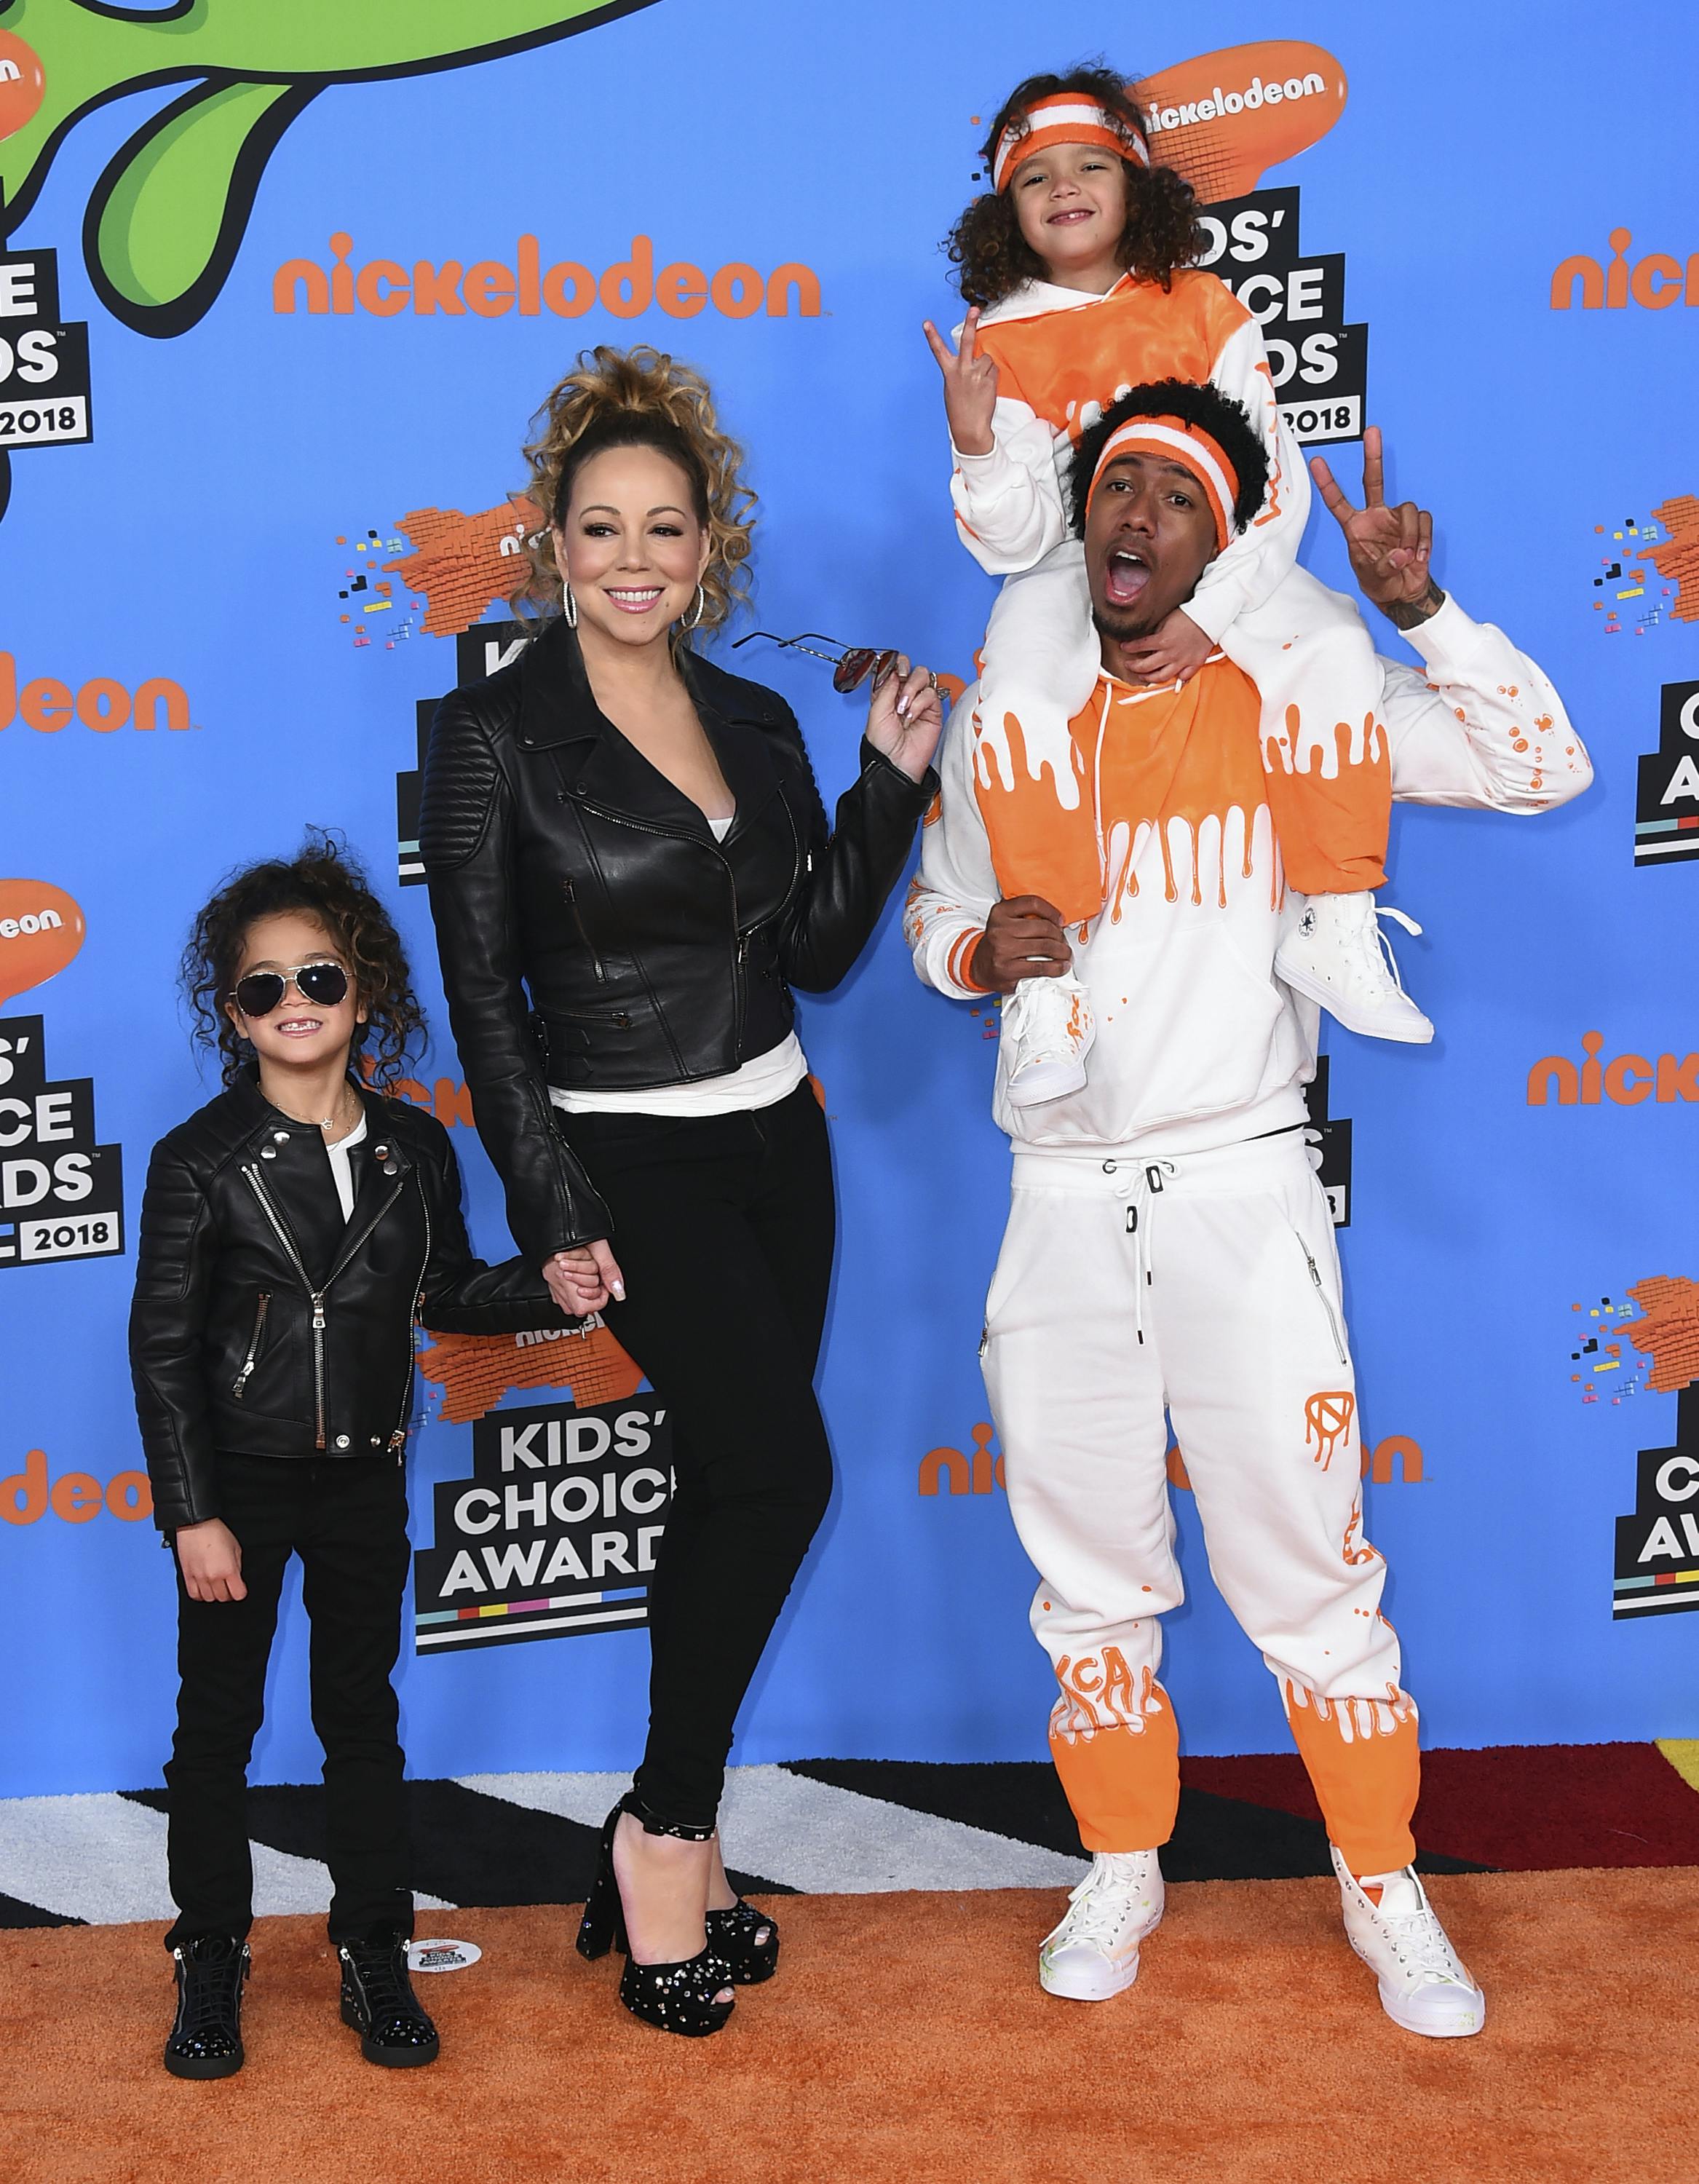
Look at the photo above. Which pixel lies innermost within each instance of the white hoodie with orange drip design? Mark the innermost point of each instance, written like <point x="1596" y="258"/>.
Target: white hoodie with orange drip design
<point x="1197" y="1044"/>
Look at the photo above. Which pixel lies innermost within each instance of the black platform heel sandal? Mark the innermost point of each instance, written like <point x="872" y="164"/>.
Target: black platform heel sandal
<point x="676" y="1998"/>
<point x="748" y="1941"/>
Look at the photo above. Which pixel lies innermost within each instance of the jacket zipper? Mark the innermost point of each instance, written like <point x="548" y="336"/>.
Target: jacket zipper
<point x="254" y="1341"/>
<point x="578" y="919"/>
<point x="418" y="1306"/>
<point x="317" y="1295"/>
<point x="1322" y="1296"/>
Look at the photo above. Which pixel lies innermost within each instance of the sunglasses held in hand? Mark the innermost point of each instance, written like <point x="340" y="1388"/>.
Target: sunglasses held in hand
<point x="261" y="992"/>
<point x="852" y="664"/>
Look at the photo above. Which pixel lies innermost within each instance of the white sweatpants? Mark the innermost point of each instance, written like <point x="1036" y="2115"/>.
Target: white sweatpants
<point x="1205" y="1287"/>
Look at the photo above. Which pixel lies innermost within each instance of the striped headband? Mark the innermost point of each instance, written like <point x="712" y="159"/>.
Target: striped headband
<point x="1171" y="437"/>
<point x="1066" y="119"/>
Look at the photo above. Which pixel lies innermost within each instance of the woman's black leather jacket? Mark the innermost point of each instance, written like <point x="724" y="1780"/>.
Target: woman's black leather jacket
<point x="592" y="931"/>
<point x="263" y="1324"/>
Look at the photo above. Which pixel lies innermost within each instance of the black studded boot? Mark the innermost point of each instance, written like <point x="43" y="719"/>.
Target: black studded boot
<point x="205" y="2040"/>
<point x="379" y="2003"/>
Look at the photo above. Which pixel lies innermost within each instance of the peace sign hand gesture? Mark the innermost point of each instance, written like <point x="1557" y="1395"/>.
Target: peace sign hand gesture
<point x="970" y="387"/>
<point x="1388" y="547"/>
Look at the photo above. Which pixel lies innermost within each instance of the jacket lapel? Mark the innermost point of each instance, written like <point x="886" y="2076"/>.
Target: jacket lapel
<point x="558" y="712"/>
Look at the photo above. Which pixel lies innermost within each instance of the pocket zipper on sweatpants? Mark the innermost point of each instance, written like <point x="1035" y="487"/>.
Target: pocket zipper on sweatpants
<point x="254" y="1342"/>
<point x="1325" y="1302"/>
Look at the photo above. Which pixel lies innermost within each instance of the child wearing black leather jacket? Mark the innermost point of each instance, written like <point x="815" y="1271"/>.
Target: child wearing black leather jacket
<point x="293" y="1230"/>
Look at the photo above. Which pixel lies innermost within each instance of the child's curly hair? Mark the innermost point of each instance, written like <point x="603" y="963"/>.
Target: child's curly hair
<point x="638" y="398"/>
<point x="324" y="882"/>
<point x="1162" y="233"/>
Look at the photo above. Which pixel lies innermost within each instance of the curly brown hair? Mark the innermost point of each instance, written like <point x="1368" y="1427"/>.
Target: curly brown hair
<point x="638" y="398"/>
<point x="324" y="882"/>
<point x="993" y="258"/>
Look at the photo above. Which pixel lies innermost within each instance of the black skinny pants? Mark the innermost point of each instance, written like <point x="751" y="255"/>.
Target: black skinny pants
<point x="347" y="1518"/>
<point x="723" y="1227"/>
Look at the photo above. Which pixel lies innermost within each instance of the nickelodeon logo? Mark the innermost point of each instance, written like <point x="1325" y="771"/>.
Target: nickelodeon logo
<point x="490" y="288"/>
<point x="76" y="1496"/>
<point x="1625" y="1080"/>
<point x="1654" y="282"/>
<point x="102" y="704"/>
<point x="1397" y="1457"/>
<point x="21" y="85"/>
<point x="41" y="929"/>
<point x="1281" y="96"/>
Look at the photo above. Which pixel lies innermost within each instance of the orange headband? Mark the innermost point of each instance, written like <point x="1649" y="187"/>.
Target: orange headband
<point x="1173" y="438"/>
<point x="1069" y="118"/>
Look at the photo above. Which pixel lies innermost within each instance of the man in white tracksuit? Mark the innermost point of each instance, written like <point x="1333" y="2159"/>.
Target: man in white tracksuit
<point x="1169" y="1249"/>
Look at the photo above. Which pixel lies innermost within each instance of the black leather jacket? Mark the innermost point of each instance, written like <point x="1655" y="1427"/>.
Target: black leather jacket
<point x="264" y="1325"/>
<point x="592" y="933"/>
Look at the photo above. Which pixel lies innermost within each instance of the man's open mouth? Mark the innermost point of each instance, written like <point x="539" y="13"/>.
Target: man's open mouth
<point x="1126" y="576"/>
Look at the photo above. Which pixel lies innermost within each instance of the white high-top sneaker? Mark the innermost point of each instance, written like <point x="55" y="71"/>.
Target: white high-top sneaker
<point x="1423" y="1987"/>
<point x="1337" y="955"/>
<point x="1095" y="1951"/>
<point x="1048" y="1027"/>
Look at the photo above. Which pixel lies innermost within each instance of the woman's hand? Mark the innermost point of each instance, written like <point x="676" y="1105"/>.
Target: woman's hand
<point x="906" y="717"/>
<point x="209" y="1556"/>
<point x="1173" y="652"/>
<point x="1023" y="938"/>
<point x="581" y="1281"/>
<point x="970" y="388"/>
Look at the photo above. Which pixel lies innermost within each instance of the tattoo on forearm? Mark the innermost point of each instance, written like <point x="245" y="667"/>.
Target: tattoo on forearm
<point x="1406" y="614"/>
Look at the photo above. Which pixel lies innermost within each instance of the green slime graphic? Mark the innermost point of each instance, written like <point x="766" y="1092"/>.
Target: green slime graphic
<point x="166" y="218"/>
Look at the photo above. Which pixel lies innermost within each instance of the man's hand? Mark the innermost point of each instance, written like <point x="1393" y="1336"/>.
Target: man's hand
<point x="209" y="1556"/>
<point x="1173" y="652"/>
<point x="581" y="1281"/>
<point x="970" y="388"/>
<point x="1388" y="547"/>
<point x="1023" y="938"/>
<point x="906" y="717"/>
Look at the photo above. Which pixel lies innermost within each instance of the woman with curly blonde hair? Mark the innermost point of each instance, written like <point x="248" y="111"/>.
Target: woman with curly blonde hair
<point x="630" y="868"/>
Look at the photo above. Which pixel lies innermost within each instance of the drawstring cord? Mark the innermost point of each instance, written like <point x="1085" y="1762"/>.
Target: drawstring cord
<point x="1140" y="1220"/>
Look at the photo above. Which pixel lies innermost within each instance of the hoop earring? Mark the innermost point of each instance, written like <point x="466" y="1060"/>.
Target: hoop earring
<point x="691" y="620"/>
<point x="569" y="607"/>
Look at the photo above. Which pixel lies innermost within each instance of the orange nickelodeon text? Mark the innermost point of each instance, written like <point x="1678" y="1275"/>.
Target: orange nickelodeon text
<point x="490" y="288"/>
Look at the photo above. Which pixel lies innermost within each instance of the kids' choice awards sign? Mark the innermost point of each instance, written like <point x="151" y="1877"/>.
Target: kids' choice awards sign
<point x="61" y="1194"/>
<point x="43" y="362"/>
<point x="556" y="1531"/>
<point x="1666" y="817"/>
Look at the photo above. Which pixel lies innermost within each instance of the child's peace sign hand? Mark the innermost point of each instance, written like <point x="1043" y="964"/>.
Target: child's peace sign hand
<point x="970" y="387"/>
<point x="1388" y="547"/>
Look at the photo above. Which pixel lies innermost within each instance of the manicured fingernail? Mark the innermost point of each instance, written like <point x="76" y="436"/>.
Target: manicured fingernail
<point x="620" y="1291"/>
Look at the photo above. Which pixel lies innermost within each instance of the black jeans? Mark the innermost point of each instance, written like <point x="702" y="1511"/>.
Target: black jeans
<point x="347" y="1518"/>
<point x="723" y="1229"/>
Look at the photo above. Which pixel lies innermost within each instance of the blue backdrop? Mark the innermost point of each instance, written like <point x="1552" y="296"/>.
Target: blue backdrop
<point x="195" y="539"/>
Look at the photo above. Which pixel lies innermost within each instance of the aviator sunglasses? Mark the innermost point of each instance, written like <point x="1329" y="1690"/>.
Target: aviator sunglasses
<point x="261" y="992"/>
<point x="852" y="664"/>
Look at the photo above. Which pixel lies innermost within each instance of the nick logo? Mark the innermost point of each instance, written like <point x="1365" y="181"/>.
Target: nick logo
<point x="1625" y="1080"/>
<point x="75" y="1497"/>
<point x="40" y="929"/>
<point x="1666" y="818"/>
<point x="1328" y="1416"/>
<point x="102" y="704"/>
<point x="978" y="1473"/>
<point x="1654" y="282"/>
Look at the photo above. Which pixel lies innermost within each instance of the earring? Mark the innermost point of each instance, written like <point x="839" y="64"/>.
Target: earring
<point x="691" y="620"/>
<point x="569" y="607"/>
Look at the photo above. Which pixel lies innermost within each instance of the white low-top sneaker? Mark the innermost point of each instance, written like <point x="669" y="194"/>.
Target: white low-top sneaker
<point x="1048" y="1028"/>
<point x="1337" y="955"/>
<point x="1095" y="1951"/>
<point x="1423" y="1987"/>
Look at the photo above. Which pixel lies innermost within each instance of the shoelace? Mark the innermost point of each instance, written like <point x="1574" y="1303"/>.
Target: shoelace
<point x="1398" y="917"/>
<point x="211" y="1987"/>
<point x="379" y="1974"/>
<point x="1421" y="1945"/>
<point x="1102" y="1903"/>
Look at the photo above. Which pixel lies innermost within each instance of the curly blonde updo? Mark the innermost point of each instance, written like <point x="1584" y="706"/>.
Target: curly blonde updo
<point x="639" y="398"/>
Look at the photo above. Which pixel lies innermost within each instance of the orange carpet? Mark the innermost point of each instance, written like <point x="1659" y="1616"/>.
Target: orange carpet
<point x="905" y="2039"/>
